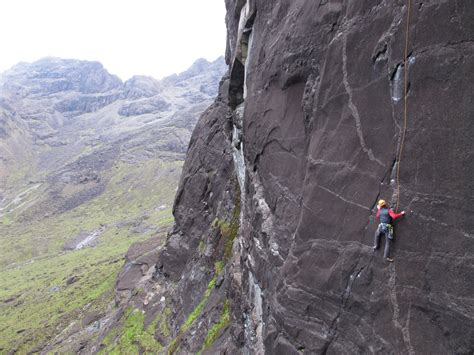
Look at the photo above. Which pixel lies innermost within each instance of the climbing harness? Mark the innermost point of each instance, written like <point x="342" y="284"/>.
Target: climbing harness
<point x="405" y="110"/>
<point x="387" y="229"/>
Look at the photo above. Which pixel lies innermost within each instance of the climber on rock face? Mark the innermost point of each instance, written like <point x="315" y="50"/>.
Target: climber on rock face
<point x="386" y="216"/>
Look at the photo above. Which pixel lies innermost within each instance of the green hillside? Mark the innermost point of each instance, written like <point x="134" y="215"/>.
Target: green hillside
<point x="47" y="290"/>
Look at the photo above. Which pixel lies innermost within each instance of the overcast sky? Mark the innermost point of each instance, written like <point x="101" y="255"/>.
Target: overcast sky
<point x="129" y="37"/>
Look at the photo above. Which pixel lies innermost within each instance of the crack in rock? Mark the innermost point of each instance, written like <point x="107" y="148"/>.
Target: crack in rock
<point x="352" y="106"/>
<point x="396" y="311"/>
<point x="332" y="332"/>
<point x="342" y="198"/>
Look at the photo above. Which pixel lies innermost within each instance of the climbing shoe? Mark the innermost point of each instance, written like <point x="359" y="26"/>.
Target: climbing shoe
<point x="389" y="260"/>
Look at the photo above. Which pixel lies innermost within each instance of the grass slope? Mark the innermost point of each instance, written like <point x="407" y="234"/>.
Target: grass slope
<point x="36" y="301"/>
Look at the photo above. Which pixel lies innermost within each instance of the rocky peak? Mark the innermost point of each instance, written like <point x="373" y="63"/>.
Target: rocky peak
<point x="201" y="66"/>
<point x="202" y="73"/>
<point x="52" y="75"/>
<point x="141" y="86"/>
<point x="38" y="101"/>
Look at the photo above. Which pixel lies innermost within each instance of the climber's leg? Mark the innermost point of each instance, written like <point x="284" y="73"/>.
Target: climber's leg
<point x="386" y="253"/>
<point x="377" y="235"/>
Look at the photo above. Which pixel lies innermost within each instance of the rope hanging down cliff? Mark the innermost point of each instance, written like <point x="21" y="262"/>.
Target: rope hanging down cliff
<point x="405" y="109"/>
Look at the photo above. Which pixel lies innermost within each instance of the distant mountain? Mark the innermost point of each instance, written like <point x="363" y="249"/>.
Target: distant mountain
<point x="88" y="165"/>
<point x="53" y="75"/>
<point x="53" y="109"/>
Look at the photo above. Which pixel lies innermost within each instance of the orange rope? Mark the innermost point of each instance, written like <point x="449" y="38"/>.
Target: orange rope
<point x="405" y="113"/>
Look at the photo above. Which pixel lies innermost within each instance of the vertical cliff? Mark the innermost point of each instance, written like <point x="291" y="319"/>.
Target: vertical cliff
<point x="320" y="84"/>
<point x="275" y="214"/>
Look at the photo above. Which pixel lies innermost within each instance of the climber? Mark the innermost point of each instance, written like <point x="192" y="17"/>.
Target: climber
<point x="386" y="216"/>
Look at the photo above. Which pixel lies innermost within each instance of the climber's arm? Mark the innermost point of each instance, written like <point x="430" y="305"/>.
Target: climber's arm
<point x="396" y="215"/>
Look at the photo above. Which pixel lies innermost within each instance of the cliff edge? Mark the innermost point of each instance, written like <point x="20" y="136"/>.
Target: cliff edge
<point x="275" y="214"/>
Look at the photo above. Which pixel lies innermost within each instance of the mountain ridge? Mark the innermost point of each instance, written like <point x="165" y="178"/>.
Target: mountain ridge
<point x="59" y="90"/>
<point x="88" y="166"/>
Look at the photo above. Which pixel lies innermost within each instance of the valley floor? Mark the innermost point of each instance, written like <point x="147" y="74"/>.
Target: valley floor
<point x="58" y="273"/>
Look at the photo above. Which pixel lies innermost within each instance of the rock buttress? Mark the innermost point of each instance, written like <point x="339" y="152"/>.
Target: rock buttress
<point x="185" y="294"/>
<point x="275" y="213"/>
<point x="317" y="88"/>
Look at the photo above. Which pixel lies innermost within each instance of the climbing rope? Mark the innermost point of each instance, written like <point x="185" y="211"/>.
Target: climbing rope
<point x="405" y="111"/>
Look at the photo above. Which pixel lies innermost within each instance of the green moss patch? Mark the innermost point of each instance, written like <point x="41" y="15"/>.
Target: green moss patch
<point x="134" y="337"/>
<point x="197" y="311"/>
<point x="217" y="328"/>
<point x="229" y="230"/>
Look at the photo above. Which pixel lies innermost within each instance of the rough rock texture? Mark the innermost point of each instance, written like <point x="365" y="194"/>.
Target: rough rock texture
<point x="312" y="114"/>
<point x="321" y="129"/>
<point x="187" y="285"/>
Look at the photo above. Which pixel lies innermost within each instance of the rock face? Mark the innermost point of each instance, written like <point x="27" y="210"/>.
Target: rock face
<point x="185" y="285"/>
<point x="321" y="129"/>
<point x="315" y="93"/>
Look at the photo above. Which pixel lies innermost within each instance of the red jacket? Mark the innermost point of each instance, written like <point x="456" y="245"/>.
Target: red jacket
<point x="391" y="213"/>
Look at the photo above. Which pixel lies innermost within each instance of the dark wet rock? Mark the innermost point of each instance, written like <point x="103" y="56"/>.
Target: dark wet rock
<point x="72" y="280"/>
<point x="219" y="281"/>
<point x="200" y="174"/>
<point x="11" y="299"/>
